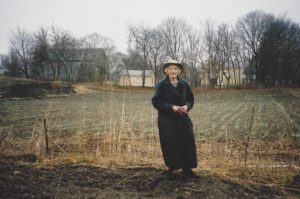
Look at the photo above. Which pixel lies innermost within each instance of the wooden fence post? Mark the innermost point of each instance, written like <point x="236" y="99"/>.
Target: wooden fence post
<point x="46" y="136"/>
<point x="248" y="138"/>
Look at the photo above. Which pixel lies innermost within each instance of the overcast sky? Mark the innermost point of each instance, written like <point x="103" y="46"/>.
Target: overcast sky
<point x="111" y="17"/>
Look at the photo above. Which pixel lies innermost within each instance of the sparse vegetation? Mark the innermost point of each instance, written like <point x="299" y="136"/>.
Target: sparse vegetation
<point x="118" y="129"/>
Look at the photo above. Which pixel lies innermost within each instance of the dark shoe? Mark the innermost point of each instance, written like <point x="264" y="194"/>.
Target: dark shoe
<point x="189" y="173"/>
<point x="168" y="173"/>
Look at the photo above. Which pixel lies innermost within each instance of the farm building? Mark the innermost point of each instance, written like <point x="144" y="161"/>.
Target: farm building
<point x="86" y="64"/>
<point x="135" y="78"/>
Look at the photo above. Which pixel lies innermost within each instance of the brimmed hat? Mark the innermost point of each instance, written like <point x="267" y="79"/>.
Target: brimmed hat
<point x="172" y="62"/>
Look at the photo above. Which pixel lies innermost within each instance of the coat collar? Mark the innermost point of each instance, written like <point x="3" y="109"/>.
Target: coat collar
<point x="167" y="81"/>
<point x="173" y="89"/>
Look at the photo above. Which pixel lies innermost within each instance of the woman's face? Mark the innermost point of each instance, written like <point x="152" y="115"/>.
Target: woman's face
<point x="172" y="71"/>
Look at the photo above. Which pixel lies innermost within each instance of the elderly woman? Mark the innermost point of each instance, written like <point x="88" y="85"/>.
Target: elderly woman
<point x="174" y="99"/>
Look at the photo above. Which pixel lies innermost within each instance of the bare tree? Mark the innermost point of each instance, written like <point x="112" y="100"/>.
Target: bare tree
<point x="11" y="64"/>
<point x="41" y="48"/>
<point x="156" y="53"/>
<point x="221" y="54"/>
<point x="84" y="57"/>
<point x="210" y="70"/>
<point x="104" y="61"/>
<point x="117" y="65"/>
<point x="173" y="33"/>
<point x="224" y="49"/>
<point x="141" y="35"/>
<point x="130" y="62"/>
<point x="21" y="42"/>
<point x="62" y="45"/>
<point x="109" y="50"/>
<point x="237" y="61"/>
<point x="192" y="54"/>
<point x="249" y="30"/>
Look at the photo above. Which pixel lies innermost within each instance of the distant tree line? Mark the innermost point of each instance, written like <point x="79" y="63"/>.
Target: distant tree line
<point x="55" y="54"/>
<point x="278" y="54"/>
<point x="261" y="49"/>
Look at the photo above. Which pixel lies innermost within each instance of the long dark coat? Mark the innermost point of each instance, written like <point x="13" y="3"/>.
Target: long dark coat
<point x="175" y="131"/>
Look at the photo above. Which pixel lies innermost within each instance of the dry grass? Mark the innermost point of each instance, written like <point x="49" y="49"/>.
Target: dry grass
<point x="271" y="163"/>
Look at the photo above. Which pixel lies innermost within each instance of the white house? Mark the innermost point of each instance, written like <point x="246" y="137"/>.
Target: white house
<point x="227" y="77"/>
<point x="135" y="78"/>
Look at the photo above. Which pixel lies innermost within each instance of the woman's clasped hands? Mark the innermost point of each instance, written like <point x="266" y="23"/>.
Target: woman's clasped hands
<point x="180" y="109"/>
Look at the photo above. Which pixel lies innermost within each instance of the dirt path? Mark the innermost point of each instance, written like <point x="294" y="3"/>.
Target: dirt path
<point x="20" y="178"/>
